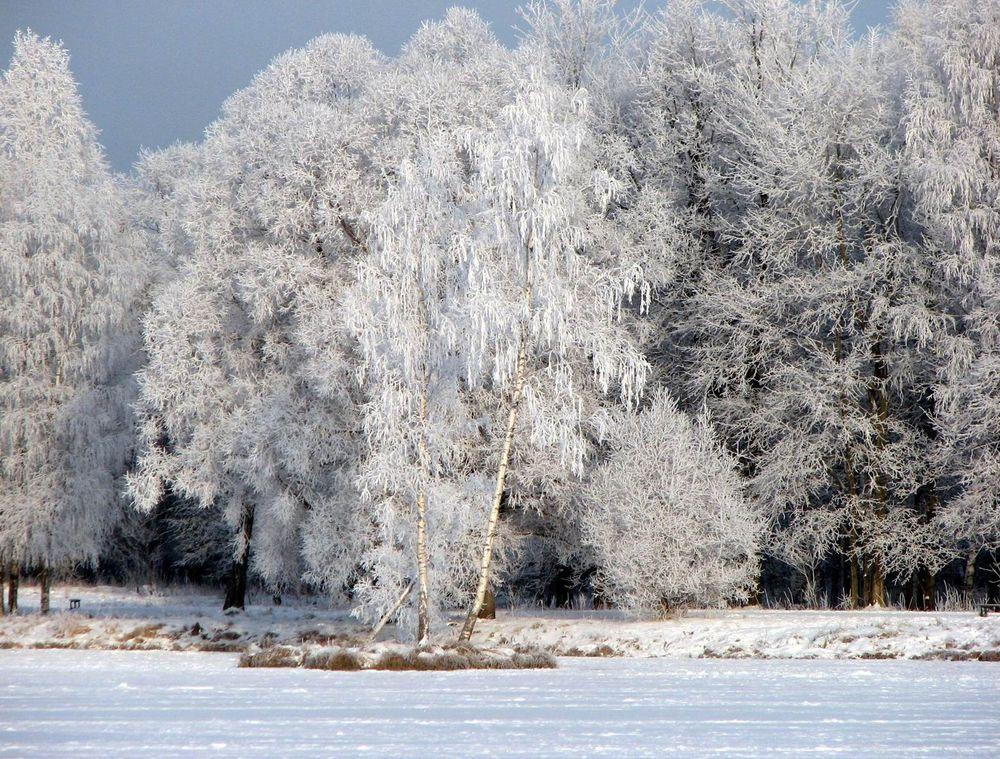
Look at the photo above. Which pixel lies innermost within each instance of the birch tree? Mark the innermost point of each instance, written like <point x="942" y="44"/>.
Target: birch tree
<point x="419" y="473"/>
<point x="544" y="301"/>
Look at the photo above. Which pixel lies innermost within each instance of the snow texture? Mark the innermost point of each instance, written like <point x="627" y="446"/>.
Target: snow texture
<point x="61" y="703"/>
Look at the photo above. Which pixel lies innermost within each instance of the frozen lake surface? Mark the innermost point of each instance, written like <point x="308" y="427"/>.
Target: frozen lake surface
<point x="118" y="703"/>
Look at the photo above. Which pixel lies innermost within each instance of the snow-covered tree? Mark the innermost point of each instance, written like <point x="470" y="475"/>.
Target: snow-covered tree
<point x="71" y="273"/>
<point x="545" y="300"/>
<point x="407" y="311"/>
<point x="410" y="326"/>
<point x="667" y="515"/>
<point x="952" y="133"/>
<point x="236" y="413"/>
<point x="805" y="315"/>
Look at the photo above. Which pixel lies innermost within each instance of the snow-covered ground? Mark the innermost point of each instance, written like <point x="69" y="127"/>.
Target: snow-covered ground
<point x="189" y="620"/>
<point x="122" y="703"/>
<point x="758" y="633"/>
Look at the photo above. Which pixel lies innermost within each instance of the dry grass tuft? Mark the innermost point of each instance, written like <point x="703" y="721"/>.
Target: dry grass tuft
<point x="399" y="658"/>
<point x="335" y="660"/>
<point x="142" y="632"/>
<point x="276" y="656"/>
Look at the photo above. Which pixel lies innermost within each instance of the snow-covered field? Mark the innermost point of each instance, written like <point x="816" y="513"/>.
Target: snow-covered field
<point x="184" y="620"/>
<point x="126" y="703"/>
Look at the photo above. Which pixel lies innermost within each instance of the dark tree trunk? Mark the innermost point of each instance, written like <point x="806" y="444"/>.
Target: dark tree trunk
<point x="837" y="581"/>
<point x="13" y="580"/>
<point x="236" y="586"/>
<point x="878" y="596"/>
<point x="927" y="502"/>
<point x="856" y="581"/>
<point x="928" y="590"/>
<point x="45" y="584"/>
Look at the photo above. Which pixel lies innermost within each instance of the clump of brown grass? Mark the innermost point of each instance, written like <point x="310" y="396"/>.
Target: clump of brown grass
<point x="334" y="660"/>
<point x="275" y="656"/>
<point x="142" y="632"/>
<point x="601" y="651"/>
<point x="400" y="658"/>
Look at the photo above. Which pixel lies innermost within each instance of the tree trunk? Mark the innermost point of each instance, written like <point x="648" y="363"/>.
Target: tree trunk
<point x="928" y="590"/>
<point x="926" y="497"/>
<point x="969" y="582"/>
<point x="494" y="517"/>
<point x="423" y="603"/>
<point x="866" y="584"/>
<point x="44" y="583"/>
<point x="855" y="575"/>
<point x="423" y="590"/>
<point x="3" y="585"/>
<point x="878" y="595"/>
<point x="389" y="614"/>
<point x="489" y="610"/>
<point x="236" y="586"/>
<point x="13" y="580"/>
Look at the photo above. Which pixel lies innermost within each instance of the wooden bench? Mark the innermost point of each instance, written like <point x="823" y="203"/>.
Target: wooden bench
<point x="985" y="609"/>
<point x="74" y="603"/>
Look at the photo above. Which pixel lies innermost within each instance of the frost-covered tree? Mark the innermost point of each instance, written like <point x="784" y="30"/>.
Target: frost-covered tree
<point x="952" y="133"/>
<point x="419" y="475"/>
<point x="410" y="327"/>
<point x="805" y="317"/>
<point x="667" y="515"/>
<point x="71" y="273"/>
<point x="546" y="303"/>
<point x="237" y="413"/>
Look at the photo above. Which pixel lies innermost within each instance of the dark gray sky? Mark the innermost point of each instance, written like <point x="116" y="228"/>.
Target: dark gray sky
<point x="152" y="72"/>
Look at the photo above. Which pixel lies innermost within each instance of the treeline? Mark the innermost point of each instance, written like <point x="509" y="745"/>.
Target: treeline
<point x="697" y="307"/>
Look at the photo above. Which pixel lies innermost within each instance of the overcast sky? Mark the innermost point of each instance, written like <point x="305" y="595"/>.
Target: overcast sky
<point x="152" y="72"/>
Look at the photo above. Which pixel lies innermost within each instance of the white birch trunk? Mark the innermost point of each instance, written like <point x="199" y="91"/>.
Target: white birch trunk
<point x="494" y="517"/>
<point x="423" y="614"/>
<point x="423" y="601"/>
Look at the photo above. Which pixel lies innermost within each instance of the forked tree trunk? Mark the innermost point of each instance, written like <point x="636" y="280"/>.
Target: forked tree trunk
<point x="494" y="516"/>
<point x="13" y="580"/>
<point x="45" y="585"/>
<point x="236" y="586"/>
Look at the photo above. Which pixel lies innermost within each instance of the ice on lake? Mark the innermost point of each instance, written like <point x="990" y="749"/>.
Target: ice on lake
<point x="117" y="703"/>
